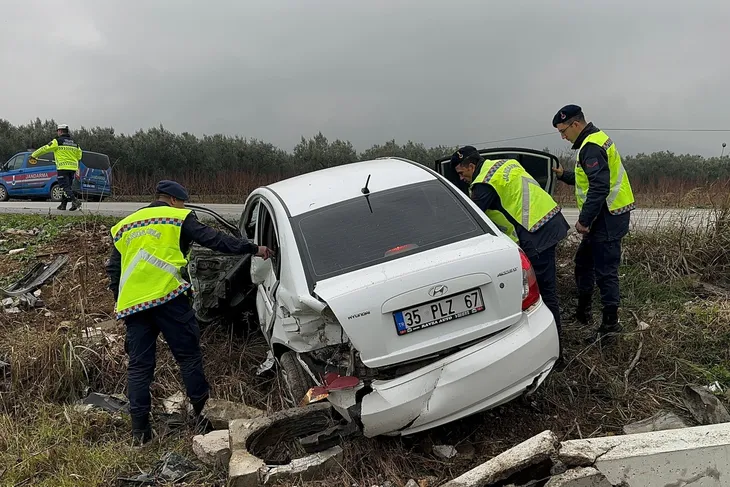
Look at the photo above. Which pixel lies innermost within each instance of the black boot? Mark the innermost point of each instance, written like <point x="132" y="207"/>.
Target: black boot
<point x="63" y="204"/>
<point x="75" y="204"/>
<point x="610" y="327"/>
<point x="583" y="312"/>
<point x="141" y="430"/>
<point x="201" y="424"/>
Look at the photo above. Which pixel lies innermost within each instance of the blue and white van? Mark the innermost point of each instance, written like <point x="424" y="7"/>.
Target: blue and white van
<point x="23" y="180"/>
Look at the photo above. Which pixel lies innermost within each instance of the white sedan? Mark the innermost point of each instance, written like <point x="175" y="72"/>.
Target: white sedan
<point x="391" y="294"/>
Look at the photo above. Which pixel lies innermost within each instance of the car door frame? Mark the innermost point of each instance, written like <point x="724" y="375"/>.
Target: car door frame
<point x="266" y="292"/>
<point x="15" y="187"/>
<point x="443" y="167"/>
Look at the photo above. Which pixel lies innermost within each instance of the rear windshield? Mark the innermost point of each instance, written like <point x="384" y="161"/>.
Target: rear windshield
<point x="348" y="236"/>
<point x="94" y="160"/>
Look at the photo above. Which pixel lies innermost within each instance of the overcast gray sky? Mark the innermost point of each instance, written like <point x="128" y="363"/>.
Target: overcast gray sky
<point x="437" y="72"/>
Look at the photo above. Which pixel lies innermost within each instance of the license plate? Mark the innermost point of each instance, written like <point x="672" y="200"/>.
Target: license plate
<point x="439" y="311"/>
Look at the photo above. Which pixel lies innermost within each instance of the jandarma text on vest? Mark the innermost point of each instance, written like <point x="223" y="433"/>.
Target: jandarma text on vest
<point x="140" y="233"/>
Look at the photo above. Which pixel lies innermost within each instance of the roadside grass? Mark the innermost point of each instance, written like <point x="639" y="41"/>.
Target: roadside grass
<point x="673" y="280"/>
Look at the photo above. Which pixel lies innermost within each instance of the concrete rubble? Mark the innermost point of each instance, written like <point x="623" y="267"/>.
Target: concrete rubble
<point x="213" y="448"/>
<point x="220" y="413"/>
<point x="704" y="406"/>
<point x="269" y="434"/>
<point x="580" y="477"/>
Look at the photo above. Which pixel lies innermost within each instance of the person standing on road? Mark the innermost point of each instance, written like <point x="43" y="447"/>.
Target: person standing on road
<point x="605" y="201"/>
<point x="68" y="153"/>
<point x="145" y="272"/>
<point x="535" y="223"/>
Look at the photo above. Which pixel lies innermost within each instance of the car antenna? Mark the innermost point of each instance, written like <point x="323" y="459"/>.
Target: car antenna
<point x="366" y="192"/>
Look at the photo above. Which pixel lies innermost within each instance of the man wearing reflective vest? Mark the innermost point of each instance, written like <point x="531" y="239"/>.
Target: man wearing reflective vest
<point x="605" y="201"/>
<point x="145" y="271"/>
<point x="67" y="155"/>
<point x="525" y="212"/>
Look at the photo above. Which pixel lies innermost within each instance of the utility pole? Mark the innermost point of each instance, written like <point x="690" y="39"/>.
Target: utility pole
<point x="723" y="149"/>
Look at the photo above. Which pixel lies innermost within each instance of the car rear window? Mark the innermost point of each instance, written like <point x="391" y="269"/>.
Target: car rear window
<point x="94" y="160"/>
<point x="352" y="235"/>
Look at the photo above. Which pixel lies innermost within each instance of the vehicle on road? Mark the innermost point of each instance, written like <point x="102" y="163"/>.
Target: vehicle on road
<point x="23" y="178"/>
<point x="391" y="293"/>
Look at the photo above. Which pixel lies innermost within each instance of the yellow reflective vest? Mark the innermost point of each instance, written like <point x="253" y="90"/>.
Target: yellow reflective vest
<point x="620" y="197"/>
<point x="521" y="196"/>
<point x="149" y="243"/>
<point x="67" y="153"/>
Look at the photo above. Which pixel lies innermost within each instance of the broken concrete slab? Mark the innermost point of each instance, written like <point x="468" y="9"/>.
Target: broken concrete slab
<point x="663" y="420"/>
<point x="213" y="448"/>
<point x="259" y="450"/>
<point x="579" y="454"/>
<point x="243" y="469"/>
<point x="530" y="452"/>
<point x="220" y="413"/>
<point x="580" y="477"/>
<point x="704" y="406"/>
<point x="312" y="467"/>
<point x="697" y="456"/>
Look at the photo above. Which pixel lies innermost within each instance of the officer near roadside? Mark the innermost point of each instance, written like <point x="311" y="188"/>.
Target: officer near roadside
<point x="67" y="154"/>
<point x="535" y="223"/>
<point x="145" y="270"/>
<point x="605" y="201"/>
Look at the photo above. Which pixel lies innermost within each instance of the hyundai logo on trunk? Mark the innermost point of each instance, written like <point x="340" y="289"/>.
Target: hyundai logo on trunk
<point x="437" y="291"/>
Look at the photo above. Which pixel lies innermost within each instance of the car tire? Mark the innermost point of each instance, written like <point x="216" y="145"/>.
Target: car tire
<point x="4" y="196"/>
<point x="56" y="192"/>
<point x="296" y="379"/>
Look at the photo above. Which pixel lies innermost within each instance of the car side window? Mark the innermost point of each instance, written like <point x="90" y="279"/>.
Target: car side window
<point x="248" y="225"/>
<point x="15" y="163"/>
<point x="267" y="237"/>
<point x="45" y="160"/>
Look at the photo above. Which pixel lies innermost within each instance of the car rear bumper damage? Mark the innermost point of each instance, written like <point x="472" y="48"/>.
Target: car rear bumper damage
<point x="477" y="378"/>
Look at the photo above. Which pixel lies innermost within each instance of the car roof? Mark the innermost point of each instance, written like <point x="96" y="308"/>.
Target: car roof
<point x="325" y="187"/>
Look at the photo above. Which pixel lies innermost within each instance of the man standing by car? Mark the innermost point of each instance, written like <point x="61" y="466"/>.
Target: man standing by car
<point x="605" y="201"/>
<point x="68" y="153"/>
<point x="149" y="252"/>
<point x="518" y="205"/>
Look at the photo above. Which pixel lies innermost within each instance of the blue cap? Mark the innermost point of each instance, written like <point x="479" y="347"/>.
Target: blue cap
<point x="173" y="189"/>
<point x="568" y="111"/>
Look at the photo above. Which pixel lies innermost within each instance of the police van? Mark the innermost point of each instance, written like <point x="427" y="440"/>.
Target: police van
<point x="24" y="178"/>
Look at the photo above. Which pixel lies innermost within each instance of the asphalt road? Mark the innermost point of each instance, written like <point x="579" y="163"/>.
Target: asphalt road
<point x="641" y="218"/>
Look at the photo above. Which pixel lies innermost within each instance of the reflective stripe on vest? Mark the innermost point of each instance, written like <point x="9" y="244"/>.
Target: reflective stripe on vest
<point x="620" y="198"/>
<point x="521" y="196"/>
<point x="149" y="243"/>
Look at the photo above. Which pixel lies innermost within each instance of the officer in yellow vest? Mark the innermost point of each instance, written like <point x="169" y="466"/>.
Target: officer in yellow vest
<point x="525" y="212"/>
<point x="605" y="201"/>
<point x="149" y="252"/>
<point x="67" y="155"/>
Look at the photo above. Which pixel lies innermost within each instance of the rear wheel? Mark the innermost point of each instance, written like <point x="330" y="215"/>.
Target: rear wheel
<point x="296" y="379"/>
<point x="56" y="192"/>
<point x="4" y="196"/>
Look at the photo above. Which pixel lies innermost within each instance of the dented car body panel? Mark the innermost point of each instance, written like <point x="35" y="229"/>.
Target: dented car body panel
<point x="385" y="273"/>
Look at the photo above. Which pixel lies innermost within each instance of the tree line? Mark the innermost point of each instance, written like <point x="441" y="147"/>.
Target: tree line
<point x="219" y="164"/>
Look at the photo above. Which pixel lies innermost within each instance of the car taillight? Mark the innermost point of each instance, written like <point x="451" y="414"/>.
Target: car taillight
<point x="530" y="291"/>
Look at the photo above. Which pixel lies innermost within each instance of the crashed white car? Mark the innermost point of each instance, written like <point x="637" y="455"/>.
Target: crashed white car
<point x="391" y="292"/>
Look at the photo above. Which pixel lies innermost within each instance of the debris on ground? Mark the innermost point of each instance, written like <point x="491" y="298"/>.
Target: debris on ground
<point x="220" y="412"/>
<point x="172" y="467"/>
<point x="444" y="451"/>
<point x="580" y="477"/>
<point x="112" y="404"/>
<point x="175" y="403"/>
<point x="27" y="285"/>
<point x="213" y="448"/>
<point x="663" y="420"/>
<point x="704" y="406"/>
<point x="16" y="251"/>
<point x="529" y="455"/>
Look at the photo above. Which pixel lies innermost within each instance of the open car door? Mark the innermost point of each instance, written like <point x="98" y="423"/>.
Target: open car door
<point x="538" y="163"/>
